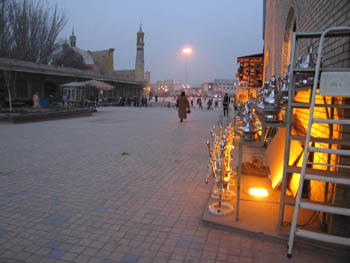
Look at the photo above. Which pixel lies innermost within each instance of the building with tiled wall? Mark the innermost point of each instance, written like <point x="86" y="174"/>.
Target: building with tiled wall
<point x="281" y="19"/>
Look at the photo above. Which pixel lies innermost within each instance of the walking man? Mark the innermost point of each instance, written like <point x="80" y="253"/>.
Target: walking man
<point x="225" y="104"/>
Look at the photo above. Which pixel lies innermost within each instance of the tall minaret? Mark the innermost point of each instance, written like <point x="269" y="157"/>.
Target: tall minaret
<point x="73" y="39"/>
<point x="140" y="61"/>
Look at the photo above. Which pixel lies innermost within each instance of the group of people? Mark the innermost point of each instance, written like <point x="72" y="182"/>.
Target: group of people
<point x="135" y="101"/>
<point x="183" y="105"/>
<point x="209" y="103"/>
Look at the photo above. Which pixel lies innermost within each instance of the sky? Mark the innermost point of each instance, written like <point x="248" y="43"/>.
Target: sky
<point x="218" y="31"/>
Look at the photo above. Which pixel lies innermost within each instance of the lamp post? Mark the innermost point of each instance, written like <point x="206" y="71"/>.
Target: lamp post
<point x="186" y="51"/>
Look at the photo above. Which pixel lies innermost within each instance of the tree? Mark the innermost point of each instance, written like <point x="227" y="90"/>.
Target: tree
<point x="28" y="30"/>
<point x="5" y="29"/>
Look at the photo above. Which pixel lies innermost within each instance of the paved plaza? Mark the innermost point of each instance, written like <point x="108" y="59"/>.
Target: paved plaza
<point x="125" y="185"/>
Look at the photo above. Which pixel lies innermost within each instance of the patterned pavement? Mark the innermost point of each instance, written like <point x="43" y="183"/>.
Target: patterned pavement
<point x="125" y="185"/>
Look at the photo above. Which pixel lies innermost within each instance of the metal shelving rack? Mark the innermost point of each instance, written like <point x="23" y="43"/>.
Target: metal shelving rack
<point x="260" y="142"/>
<point x="242" y="143"/>
<point x="288" y="170"/>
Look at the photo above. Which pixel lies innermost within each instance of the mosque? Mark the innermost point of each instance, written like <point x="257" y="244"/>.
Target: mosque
<point x="101" y="61"/>
<point x="70" y="63"/>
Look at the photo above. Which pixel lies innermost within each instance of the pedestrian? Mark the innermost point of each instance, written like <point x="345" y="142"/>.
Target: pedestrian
<point x="183" y="105"/>
<point x="225" y="104"/>
<point x="192" y="103"/>
<point x="200" y="103"/>
<point x="122" y="101"/>
<point x="210" y="102"/>
<point x="36" y="100"/>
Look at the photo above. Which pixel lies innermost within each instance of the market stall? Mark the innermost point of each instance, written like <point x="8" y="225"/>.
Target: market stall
<point x="83" y="94"/>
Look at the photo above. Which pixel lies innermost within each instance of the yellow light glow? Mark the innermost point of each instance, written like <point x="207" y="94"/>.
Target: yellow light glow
<point x="258" y="192"/>
<point x="187" y="50"/>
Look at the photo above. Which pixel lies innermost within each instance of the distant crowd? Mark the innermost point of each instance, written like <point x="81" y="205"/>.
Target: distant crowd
<point x="201" y="103"/>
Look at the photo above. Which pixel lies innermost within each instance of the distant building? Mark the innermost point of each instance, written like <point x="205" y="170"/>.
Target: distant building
<point x="148" y="76"/>
<point x="208" y="89"/>
<point x="147" y="88"/>
<point x="220" y="87"/>
<point x="195" y="91"/>
<point x="166" y="87"/>
<point x="228" y="86"/>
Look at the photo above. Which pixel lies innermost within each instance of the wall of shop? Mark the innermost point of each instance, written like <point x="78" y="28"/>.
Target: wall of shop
<point x="309" y="16"/>
<point x="282" y="18"/>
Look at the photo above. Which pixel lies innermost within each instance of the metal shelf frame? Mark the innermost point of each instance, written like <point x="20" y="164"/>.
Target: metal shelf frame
<point x="258" y="143"/>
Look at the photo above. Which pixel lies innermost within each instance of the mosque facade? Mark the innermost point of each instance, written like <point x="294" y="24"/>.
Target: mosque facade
<point x="70" y="63"/>
<point x="102" y="61"/>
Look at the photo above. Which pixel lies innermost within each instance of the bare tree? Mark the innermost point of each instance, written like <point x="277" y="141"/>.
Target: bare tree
<point x="5" y="29"/>
<point x="29" y="30"/>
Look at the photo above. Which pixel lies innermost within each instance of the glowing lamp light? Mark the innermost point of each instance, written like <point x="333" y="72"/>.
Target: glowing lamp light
<point x="187" y="50"/>
<point x="259" y="192"/>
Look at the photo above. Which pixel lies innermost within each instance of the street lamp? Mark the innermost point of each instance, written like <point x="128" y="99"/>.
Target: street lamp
<point x="186" y="51"/>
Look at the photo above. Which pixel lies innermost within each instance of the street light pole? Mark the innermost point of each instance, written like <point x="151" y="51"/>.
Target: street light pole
<point x="186" y="79"/>
<point x="186" y="51"/>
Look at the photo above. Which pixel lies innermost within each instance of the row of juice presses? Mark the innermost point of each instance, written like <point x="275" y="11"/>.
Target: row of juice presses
<point x="271" y="101"/>
<point x="220" y="148"/>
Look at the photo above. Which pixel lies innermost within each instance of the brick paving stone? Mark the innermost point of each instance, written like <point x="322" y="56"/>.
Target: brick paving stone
<point x="33" y="259"/>
<point x="82" y="259"/>
<point x="69" y="256"/>
<point x="3" y="232"/>
<point x="125" y="184"/>
<point x="130" y="259"/>
<point x="56" y="254"/>
<point x="145" y="260"/>
<point x="77" y="249"/>
<point x="108" y="260"/>
<point x="44" y="251"/>
<point x="89" y="251"/>
<point x="55" y="220"/>
<point x="48" y="260"/>
<point x="53" y="244"/>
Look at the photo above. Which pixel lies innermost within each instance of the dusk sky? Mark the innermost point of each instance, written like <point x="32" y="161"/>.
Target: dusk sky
<point x="218" y="32"/>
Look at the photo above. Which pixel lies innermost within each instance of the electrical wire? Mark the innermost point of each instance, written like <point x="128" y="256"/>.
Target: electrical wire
<point x="313" y="218"/>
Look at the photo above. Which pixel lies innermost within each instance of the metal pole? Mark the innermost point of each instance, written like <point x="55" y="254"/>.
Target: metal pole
<point x="186" y="70"/>
<point x="238" y="187"/>
<point x="9" y="91"/>
<point x="7" y="79"/>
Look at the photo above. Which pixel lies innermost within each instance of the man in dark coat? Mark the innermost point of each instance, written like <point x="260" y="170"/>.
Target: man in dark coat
<point x="183" y="104"/>
<point x="225" y="104"/>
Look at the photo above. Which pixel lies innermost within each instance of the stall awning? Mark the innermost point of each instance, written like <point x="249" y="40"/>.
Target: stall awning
<point x="73" y="84"/>
<point x="99" y="85"/>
